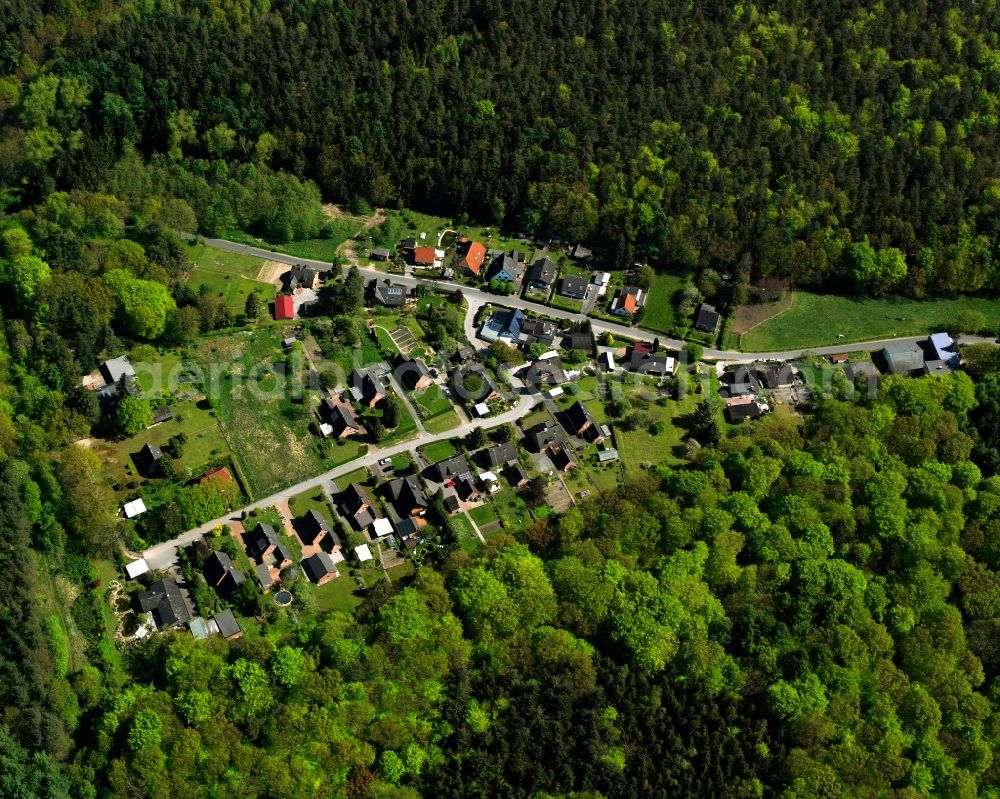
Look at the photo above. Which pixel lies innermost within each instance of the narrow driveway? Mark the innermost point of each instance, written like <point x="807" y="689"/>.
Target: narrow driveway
<point x="406" y="402"/>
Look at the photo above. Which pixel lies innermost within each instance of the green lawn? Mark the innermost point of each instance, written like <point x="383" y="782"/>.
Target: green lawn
<point x="438" y="451"/>
<point x="442" y="423"/>
<point x="639" y="446"/>
<point x="432" y="400"/>
<point x="534" y="419"/>
<point x="566" y="303"/>
<point x="467" y="538"/>
<point x="230" y="275"/>
<point x="314" y="499"/>
<point x="385" y="341"/>
<point x="483" y="515"/>
<point x="266" y="428"/>
<point x="321" y="249"/>
<point x="658" y="311"/>
<point x="341" y="593"/>
<point x="361" y="475"/>
<point x="511" y="509"/>
<point x="816" y="320"/>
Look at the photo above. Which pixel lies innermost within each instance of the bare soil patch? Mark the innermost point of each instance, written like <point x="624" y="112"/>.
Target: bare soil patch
<point x="748" y="316"/>
<point x="271" y="272"/>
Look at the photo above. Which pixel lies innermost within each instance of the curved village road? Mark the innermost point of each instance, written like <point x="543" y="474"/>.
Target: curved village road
<point x="477" y="299"/>
<point x="164" y="555"/>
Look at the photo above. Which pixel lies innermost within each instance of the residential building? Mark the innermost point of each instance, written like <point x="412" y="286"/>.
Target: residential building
<point x="574" y="287"/>
<point x="161" y="415"/>
<point x="281" y="556"/>
<point x="115" y="369"/>
<point x="451" y="469"/>
<point x="515" y="475"/>
<point x="738" y="411"/>
<point x="413" y="373"/>
<point x="472" y="261"/>
<point x="537" y="331"/>
<point x="628" y="301"/>
<point x="320" y="568"/>
<point x="582" y="422"/>
<point x="866" y="369"/>
<point x="409" y="527"/>
<point x="284" y="307"/>
<point x="546" y="371"/>
<point x="314" y="528"/>
<point x="407" y="495"/>
<point x="545" y="434"/>
<point x="423" y="256"/>
<point x="163" y="599"/>
<point x="607" y="361"/>
<point x="460" y="382"/>
<point x="942" y="355"/>
<point x="380" y="529"/>
<point x="583" y="342"/>
<point x="366" y="387"/>
<point x="261" y="541"/>
<point x="148" y="458"/>
<point x="341" y="418"/>
<point x="502" y="455"/>
<point x="389" y="294"/>
<point x="607" y="455"/>
<point x="904" y="358"/>
<point x="645" y="362"/>
<point x="581" y="253"/>
<point x="542" y="274"/>
<point x="358" y="506"/>
<point x="707" y="318"/>
<point x="380" y="254"/>
<point x="505" y="268"/>
<point x="229" y="628"/>
<point x="300" y="277"/>
<point x="504" y="326"/>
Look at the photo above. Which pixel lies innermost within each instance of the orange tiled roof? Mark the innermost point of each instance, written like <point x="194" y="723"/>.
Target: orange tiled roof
<point x="474" y="257"/>
<point x="423" y="255"/>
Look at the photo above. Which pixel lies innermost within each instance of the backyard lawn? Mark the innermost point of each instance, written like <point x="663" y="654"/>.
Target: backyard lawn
<point x="432" y="400"/>
<point x="658" y="312"/>
<point x="467" y="538"/>
<point x="341" y="593"/>
<point x="566" y="303"/>
<point x="483" y="515"/>
<point x="816" y="320"/>
<point x="314" y="499"/>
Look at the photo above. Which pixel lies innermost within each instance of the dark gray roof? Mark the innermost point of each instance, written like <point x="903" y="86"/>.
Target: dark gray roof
<point x="451" y="467"/>
<point x="748" y="410"/>
<point x="904" y="358"/>
<point x="164" y="600"/>
<point x="854" y="370"/>
<point x="282" y="553"/>
<point x="264" y="575"/>
<point x="359" y="506"/>
<point x="227" y="624"/>
<point x="162" y="414"/>
<point x="390" y="294"/>
<point x="407" y="494"/>
<point x="313" y="524"/>
<point x="299" y="277"/>
<point x="579" y="341"/>
<point x="502" y="454"/>
<point x="546" y="372"/>
<point x="260" y="538"/>
<point x="572" y="284"/>
<point x="707" y="318"/>
<point x="579" y="415"/>
<point x="148" y="457"/>
<point x="216" y="566"/>
<point x="233" y="580"/>
<point x="505" y="262"/>
<point x="318" y="566"/>
<point x="543" y="271"/>
<point x="544" y="434"/>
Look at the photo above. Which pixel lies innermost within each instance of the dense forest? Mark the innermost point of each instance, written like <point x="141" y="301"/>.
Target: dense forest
<point x="833" y="143"/>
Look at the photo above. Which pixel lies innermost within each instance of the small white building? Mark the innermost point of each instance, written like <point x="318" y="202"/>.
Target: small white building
<point x="326" y="429"/>
<point x="482" y="409"/>
<point x="555" y="392"/>
<point x="136" y="568"/>
<point x="134" y="508"/>
<point x="381" y="528"/>
<point x="363" y="554"/>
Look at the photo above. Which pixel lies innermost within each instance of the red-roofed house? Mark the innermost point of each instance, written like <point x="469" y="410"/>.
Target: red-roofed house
<point x="627" y="302"/>
<point x="423" y="256"/>
<point x="474" y="257"/>
<point x="283" y="307"/>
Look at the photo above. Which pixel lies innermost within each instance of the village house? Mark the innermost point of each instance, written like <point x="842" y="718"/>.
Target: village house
<point x="389" y="294"/>
<point x="505" y="268"/>
<point x="164" y="601"/>
<point x="341" y="418"/>
<point x="366" y="387"/>
<point x="582" y="423"/>
<point x="300" y="277"/>
<point x="148" y="459"/>
<point x="413" y="373"/>
<point x="319" y="568"/>
<point x="542" y="274"/>
<point x="407" y="496"/>
<point x="628" y="302"/>
<point x="358" y="506"/>
<point x="472" y="260"/>
<point x="707" y="318"/>
<point x="314" y="528"/>
<point x="574" y="287"/>
<point x="228" y="627"/>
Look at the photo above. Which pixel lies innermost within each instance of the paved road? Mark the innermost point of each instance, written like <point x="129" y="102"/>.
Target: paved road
<point x="162" y="556"/>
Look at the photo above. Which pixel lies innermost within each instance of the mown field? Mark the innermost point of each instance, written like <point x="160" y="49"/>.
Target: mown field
<point x="816" y="320"/>
<point x="658" y="312"/>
